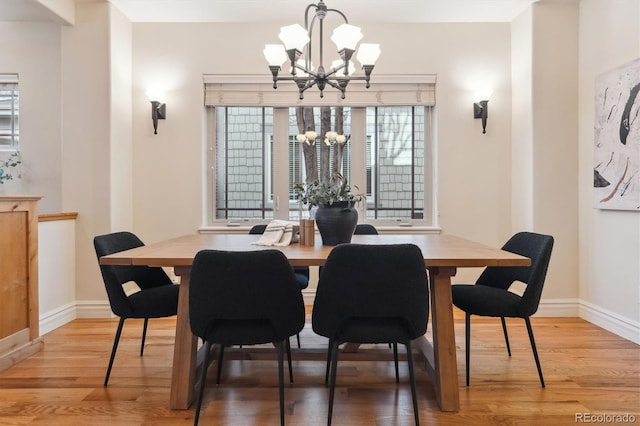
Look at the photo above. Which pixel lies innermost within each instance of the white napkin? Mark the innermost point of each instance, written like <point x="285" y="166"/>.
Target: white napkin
<point x="278" y="233"/>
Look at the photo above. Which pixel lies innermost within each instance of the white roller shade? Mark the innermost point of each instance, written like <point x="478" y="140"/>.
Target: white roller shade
<point x="8" y="81"/>
<point x="252" y="90"/>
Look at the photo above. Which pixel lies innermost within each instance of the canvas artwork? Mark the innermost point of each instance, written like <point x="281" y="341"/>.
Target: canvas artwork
<point x="616" y="173"/>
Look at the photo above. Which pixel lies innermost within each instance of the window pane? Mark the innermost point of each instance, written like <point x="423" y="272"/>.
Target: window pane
<point x="395" y="162"/>
<point x="243" y="163"/>
<point x="9" y="108"/>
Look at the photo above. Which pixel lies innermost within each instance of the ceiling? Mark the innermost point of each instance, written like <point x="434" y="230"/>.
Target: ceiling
<point x="285" y="10"/>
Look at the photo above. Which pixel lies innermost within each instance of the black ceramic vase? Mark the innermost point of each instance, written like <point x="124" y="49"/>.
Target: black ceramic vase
<point x="336" y="222"/>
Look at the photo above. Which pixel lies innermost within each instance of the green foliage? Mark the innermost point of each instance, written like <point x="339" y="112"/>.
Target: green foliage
<point x="326" y="193"/>
<point x="6" y="165"/>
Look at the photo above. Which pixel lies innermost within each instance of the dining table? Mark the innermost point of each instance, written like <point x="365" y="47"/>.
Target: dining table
<point x="443" y="255"/>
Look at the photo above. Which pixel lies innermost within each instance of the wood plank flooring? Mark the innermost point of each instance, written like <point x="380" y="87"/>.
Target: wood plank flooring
<point x="588" y="372"/>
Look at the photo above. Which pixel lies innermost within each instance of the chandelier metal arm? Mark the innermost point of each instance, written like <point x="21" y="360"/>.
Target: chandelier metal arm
<point x="346" y="21"/>
<point x="307" y="71"/>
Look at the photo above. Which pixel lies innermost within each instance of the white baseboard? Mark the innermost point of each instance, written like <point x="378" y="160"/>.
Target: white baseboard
<point x="57" y="317"/>
<point x="558" y="308"/>
<point x="610" y="321"/>
<point x="93" y="309"/>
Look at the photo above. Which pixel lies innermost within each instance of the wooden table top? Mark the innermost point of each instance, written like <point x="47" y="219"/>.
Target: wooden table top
<point x="439" y="250"/>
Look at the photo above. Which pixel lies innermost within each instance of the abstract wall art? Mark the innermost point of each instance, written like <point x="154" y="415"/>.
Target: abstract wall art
<point x="616" y="172"/>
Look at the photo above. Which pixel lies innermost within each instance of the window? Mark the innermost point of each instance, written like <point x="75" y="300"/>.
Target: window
<point x="255" y="157"/>
<point x="9" y="112"/>
<point x="395" y="162"/>
<point x="244" y="171"/>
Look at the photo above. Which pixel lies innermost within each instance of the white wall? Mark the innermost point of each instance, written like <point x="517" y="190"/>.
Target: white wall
<point x="544" y="157"/>
<point x="474" y="169"/>
<point x="522" y="119"/>
<point x="96" y="61"/>
<point x="56" y="273"/>
<point x="32" y="50"/>
<point x="609" y="240"/>
<point x="121" y="120"/>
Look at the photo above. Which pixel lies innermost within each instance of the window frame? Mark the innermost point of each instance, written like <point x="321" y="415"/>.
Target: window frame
<point x="9" y="82"/>
<point x="223" y="90"/>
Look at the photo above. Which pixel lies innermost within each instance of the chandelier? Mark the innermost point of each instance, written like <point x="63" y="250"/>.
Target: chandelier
<point x="297" y="41"/>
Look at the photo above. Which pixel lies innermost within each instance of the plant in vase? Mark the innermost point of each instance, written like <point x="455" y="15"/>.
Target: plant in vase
<point x="336" y="216"/>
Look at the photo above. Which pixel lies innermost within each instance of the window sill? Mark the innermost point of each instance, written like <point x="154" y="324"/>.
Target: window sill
<point x="238" y="228"/>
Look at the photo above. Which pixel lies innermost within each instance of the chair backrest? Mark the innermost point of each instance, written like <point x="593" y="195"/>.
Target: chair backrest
<point x="258" y="229"/>
<point x="364" y="281"/>
<point x="230" y="286"/>
<point x="538" y="248"/>
<point x="365" y="229"/>
<point x="115" y="276"/>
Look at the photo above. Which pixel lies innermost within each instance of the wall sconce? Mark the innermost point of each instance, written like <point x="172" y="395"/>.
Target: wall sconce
<point x="480" y="109"/>
<point x="158" y="109"/>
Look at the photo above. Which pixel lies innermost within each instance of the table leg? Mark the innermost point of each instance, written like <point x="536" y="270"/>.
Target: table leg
<point x="183" y="375"/>
<point x="441" y="356"/>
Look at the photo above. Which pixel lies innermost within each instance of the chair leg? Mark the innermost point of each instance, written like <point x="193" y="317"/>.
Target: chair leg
<point x="203" y="378"/>
<point x="288" y="347"/>
<point x="298" y="338"/>
<point x="144" y="335"/>
<point x="219" y="366"/>
<point x="326" y="374"/>
<point x="278" y="346"/>
<point x="332" y="379"/>
<point x="506" y="336"/>
<point x="412" y="380"/>
<point x="467" y="341"/>
<point x="535" y="351"/>
<point x="113" y="350"/>
<point x="395" y="360"/>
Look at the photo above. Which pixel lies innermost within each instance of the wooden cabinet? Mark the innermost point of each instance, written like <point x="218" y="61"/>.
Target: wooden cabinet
<point x="19" y="331"/>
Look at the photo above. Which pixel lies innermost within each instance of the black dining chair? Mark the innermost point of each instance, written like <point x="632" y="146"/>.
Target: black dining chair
<point x="301" y="272"/>
<point x="361" y="229"/>
<point x="490" y="296"/>
<point x="244" y="298"/>
<point x="368" y="229"/>
<point x="365" y="229"/>
<point x="157" y="298"/>
<point x="372" y="294"/>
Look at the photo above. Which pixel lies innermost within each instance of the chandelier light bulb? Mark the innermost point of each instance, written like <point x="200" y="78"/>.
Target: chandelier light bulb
<point x="368" y="53"/>
<point x="275" y="54"/>
<point x="294" y="37"/>
<point x="346" y="36"/>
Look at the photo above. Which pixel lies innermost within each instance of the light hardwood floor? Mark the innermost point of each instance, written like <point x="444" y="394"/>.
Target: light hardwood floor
<point x="588" y="371"/>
